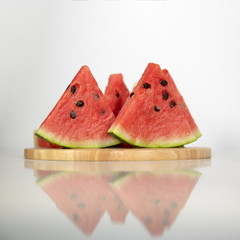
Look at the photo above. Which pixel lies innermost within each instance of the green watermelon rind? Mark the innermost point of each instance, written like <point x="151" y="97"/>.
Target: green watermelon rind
<point x="122" y="136"/>
<point x="101" y="143"/>
<point x="118" y="183"/>
<point x="197" y="133"/>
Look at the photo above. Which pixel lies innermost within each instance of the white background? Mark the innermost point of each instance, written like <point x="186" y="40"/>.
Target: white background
<point x="44" y="43"/>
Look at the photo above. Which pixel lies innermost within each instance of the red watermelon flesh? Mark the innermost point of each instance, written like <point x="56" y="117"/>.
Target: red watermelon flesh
<point x="179" y="98"/>
<point x="153" y="115"/>
<point x="42" y="143"/>
<point x="156" y="199"/>
<point x="116" y="92"/>
<point x="81" y="117"/>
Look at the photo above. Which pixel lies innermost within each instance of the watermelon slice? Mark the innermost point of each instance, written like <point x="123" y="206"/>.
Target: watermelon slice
<point x="81" y="117"/>
<point x="116" y="92"/>
<point x="155" y="114"/>
<point x="42" y="143"/>
<point x="156" y="199"/>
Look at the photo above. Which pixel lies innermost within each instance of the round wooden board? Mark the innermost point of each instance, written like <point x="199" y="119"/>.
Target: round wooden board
<point x="118" y="154"/>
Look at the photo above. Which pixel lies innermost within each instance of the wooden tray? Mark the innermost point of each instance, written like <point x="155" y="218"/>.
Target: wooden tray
<point x="118" y="154"/>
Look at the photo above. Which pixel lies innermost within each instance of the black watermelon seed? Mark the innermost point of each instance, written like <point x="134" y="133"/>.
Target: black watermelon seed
<point x="172" y="104"/>
<point x="117" y="95"/>
<point x="164" y="82"/>
<point x="131" y="94"/>
<point x="96" y="95"/>
<point x="156" y="108"/>
<point x="72" y="114"/>
<point x="146" y="85"/>
<point x="165" y="95"/>
<point x="80" y="103"/>
<point x="73" y="89"/>
<point x="102" y="111"/>
<point x="67" y="87"/>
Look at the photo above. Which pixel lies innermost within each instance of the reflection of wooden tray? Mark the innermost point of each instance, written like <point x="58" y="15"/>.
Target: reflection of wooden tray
<point x="118" y="166"/>
<point x="118" y="154"/>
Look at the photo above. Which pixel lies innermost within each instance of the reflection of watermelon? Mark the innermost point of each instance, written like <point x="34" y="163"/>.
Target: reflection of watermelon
<point x="155" y="114"/>
<point x="81" y="117"/>
<point x="115" y="207"/>
<point x="116" y="92"/>
<point x="156" y="198"/>
<point x="42" y="173"/>
<point x="83" y="197"/>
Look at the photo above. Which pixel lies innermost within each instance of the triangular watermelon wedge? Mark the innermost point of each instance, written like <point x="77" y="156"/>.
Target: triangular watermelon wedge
<point x="116" y="92"/>
<point x="81" y="117"/>
<point x="155" y="114"/>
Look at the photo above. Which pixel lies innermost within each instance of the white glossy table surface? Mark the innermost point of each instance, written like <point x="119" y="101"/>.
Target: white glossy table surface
<point x="57" y="200"/>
